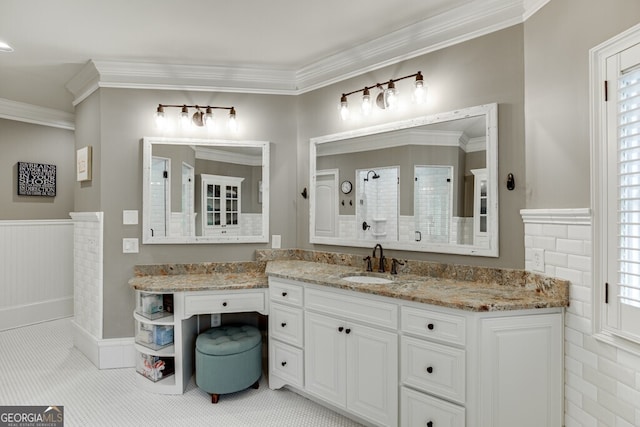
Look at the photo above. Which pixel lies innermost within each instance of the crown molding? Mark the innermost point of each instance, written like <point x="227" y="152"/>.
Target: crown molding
<point x="22" y="112"/>
<point x="472" y="20"/>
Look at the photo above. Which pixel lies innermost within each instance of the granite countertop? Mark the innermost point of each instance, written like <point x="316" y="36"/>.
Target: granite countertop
<point x="199" y="277"/>
<point x="453" y="293"/>
<point x="447" y="285"/>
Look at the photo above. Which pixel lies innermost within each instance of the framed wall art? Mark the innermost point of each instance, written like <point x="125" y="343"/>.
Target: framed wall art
<point x="36" y="179"/>
<point x="83" y="164"/>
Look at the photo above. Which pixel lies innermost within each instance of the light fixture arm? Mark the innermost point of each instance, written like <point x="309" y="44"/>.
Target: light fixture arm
<point x="418" y="76"/>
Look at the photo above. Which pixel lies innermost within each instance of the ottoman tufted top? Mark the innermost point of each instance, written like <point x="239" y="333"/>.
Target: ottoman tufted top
<point x="228" y="339"/>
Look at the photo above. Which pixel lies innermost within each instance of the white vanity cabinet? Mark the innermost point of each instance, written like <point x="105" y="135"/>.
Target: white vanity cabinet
<point x="471" y="369"/>
<point x="349" y="350"/>
<point x="286" y="355"/>
<point x="392" y="362"/>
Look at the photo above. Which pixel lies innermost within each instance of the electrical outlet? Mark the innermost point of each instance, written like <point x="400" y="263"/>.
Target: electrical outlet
<point x="537" y="260"/>
<point x="276" y="241"/>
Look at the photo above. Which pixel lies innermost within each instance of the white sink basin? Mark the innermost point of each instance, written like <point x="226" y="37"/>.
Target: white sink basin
<point x="370" y="280"/>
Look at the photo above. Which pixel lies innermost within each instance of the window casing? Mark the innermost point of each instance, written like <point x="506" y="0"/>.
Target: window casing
<point x="615" y="118"/>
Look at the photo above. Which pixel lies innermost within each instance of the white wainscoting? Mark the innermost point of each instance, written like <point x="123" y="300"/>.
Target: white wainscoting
<point x="36" y="271"/>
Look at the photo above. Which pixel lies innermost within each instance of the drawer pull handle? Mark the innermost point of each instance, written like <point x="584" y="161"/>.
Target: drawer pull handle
<point x="284" y="294"/>
<point x="430" y="424"/>
<point x="284" y="363"/>
<point x="348" y="331"/>
<point x="340" y="329"/>
<point x="224" y="304"/>
<point x="283" y="324"/>
<point x="430" y="326"/>
<point x="430" y="369"/>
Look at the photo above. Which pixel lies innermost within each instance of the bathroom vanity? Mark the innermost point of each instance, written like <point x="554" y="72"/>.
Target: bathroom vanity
<point x="436" y="345"/>
<point x="419" y="351"/>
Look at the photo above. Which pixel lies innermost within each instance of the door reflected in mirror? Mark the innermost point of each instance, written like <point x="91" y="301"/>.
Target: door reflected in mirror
<point x="425" y="184"/>
<point x="205" y="191"/>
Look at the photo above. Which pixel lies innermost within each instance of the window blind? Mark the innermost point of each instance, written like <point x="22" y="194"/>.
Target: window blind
<point x="628" y="117"/>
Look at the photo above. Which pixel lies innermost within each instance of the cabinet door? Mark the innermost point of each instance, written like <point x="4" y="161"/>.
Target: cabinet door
<point x="325" y="358"/>
<point x="521" y="371"/>
<point x="372" y="374"/>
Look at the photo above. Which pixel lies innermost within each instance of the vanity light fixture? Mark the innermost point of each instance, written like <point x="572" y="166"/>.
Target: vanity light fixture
<point x="203" y="116"/>
<point x="387" y="98"/>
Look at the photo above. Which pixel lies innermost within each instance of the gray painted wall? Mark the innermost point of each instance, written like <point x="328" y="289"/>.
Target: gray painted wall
<point x="557" y="40"/>
<point x="26" y="142"/>
<point x="125" y="116"/>
<point x="481" y="71"/>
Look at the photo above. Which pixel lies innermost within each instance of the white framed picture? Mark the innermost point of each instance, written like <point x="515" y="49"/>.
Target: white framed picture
<point x="83" y="164"/>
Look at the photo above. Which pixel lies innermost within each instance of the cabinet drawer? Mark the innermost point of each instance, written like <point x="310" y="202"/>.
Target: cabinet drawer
<point x="352" y="307"/>
<point x="223" y="303"/>
<point x="285" y="292"/>
<point x="285" y="324"/>
<point x="429" y="324"/>
<point x="432" y="367"/>
<point x="417" y="409"/>
<point x="286" y="362"/>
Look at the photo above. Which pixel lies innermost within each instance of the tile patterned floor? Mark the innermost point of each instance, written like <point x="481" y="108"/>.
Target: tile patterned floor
<point x="40" y="366"/>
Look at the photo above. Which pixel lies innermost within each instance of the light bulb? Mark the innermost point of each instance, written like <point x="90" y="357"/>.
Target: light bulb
<point x="420" y="92"/>
<point x="391" y="95"/>
<point x="160" y="118"/>
<point x="233" y="123"/>
<point x="366" y="102"/>
<point x="344" y="108"/>
<point x="184" y="117"/>
<point x="208" y="119"/>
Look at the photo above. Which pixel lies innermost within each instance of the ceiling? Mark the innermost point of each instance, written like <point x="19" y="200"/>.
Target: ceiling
<point x="276" y="46"/>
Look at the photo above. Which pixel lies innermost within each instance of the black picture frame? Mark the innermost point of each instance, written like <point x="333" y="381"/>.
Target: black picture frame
<point x="36" y="179"/>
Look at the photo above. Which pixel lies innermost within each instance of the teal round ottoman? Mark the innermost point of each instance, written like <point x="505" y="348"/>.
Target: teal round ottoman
<point x="228" y="359"/>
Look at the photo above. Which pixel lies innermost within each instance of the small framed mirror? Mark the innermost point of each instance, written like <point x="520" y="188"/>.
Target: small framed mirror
<point x="428" y="184"/>
<point x="205" y="191"/>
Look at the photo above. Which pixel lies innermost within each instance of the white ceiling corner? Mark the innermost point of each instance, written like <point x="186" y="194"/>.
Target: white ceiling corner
<point x="474" y="19"/>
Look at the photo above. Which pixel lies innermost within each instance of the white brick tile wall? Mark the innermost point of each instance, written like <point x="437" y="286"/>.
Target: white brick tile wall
<point x="602" y="382"/>
<point x="88" y="271"/>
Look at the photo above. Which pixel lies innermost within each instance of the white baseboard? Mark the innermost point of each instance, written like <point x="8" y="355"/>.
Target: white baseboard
<point x="105" y="353"/>
<point x="38" y="312"/>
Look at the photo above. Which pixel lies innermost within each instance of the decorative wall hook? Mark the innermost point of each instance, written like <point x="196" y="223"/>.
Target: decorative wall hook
<point x="511" y="182"/>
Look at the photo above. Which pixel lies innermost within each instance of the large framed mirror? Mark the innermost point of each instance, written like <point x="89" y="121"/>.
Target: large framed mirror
<point x="428" y="184"/>
<point x="205" y="191"/>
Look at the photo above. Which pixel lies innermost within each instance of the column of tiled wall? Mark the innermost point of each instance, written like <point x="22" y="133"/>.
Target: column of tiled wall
<point x="602" y="382"/>
<point x="88" y="271"/>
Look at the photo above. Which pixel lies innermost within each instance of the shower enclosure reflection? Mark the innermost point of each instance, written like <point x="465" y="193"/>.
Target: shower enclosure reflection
<point x="425" y="184"/>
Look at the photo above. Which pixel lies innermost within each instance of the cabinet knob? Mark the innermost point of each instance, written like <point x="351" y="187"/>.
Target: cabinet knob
<point x="283" y="324"/>
<point x="224" y="304"/>
<point x="340" y="329"/>
<point x="284" y="294"/>
<point x="284" y="363"/>
<point x="430" y="369"/>
<point x="430" y="326"/>
<point x="430" y="424"/>
<point x="348" y="331"/>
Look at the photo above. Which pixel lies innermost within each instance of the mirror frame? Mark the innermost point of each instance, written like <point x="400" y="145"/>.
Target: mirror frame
<point x="490" y="111"/>
<point x="148" y="143"/>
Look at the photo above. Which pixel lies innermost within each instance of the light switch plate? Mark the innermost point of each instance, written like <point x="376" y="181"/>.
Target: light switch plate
<point x="276" y="241"/>
<point x="129" y="217"/>
<point x="130" y="246"/>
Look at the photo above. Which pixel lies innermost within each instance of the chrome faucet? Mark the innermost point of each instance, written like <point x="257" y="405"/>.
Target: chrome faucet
<point x="381" y="263"/>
